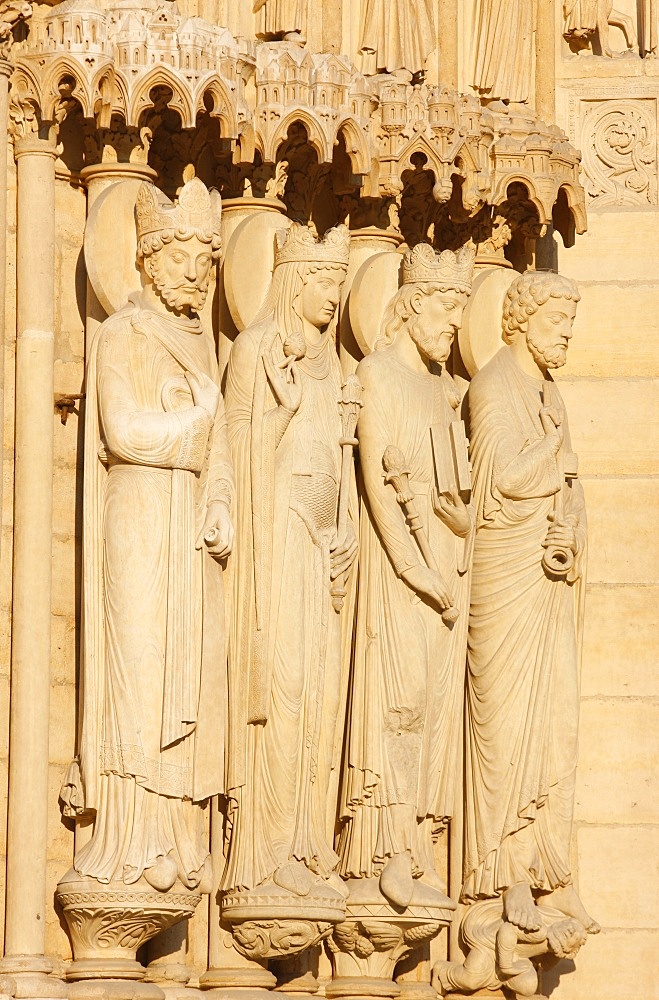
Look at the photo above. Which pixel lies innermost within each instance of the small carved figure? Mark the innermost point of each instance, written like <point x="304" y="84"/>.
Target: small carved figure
<point x="157" y="499"/>
<point x="397" y="37"/>
<point x="585" y="19"/>
<point x="526" y="616"/>
<point x="281" y="20"/>
<point x="288" y="657"/>
<point x="504" y="50"/>
<point x="501" y="954"/>
<point x="408" y="670"/>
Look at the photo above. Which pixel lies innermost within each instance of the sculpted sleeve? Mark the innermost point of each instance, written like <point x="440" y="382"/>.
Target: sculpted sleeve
<point x="376" y="431"/>
<point x="174" y="440"/>
<point x="220" y="468"/>
<point x="518" y="468"/>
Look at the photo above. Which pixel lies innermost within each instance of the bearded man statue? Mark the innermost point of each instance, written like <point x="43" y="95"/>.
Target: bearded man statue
<point x="526" y="615"/>
<point x="408" y="670"/>
<point x="158" y="491"/>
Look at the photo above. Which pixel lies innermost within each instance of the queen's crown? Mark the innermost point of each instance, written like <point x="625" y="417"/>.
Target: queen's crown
<point x="298" y="243"/>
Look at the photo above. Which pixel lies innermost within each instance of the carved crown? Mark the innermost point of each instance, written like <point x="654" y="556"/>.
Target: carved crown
<point x="196" y="212"/>
<point x="299" y="244"/>
<point x="423" y="264"/>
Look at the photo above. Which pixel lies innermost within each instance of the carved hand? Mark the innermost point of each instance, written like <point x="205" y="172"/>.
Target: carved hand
<point x="287" y="394"/>
<point x="561" y="534"/>
<point x="343" y="554"/>
<point x="204" y="392"/>
<point x="428" y="584"/>
<point x="550" y="418"/>
<point x="451" y="509"/>
<point x="217" y="533"/>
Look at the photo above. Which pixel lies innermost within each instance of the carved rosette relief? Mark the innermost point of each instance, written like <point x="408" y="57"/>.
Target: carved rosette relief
<point x="620" y="152"/>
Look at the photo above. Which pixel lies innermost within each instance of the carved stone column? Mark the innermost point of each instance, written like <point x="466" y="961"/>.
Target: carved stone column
<point x="230" y="975"/>
<point x="447" y="35"/>
<point x="167" y="966"/>
<point x="373" y="939"/>
<point x="545" y="61"/>
<point x="27" y="828"/>
<point x="5" y="73"/>
<point x="235" y="211"/>
<point x="364" y="243"/>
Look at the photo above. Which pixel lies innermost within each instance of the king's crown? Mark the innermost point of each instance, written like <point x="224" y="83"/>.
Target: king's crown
<point x="197" y="212"/>
<point x="299" y="244"/>
<point x="448" y="268"/>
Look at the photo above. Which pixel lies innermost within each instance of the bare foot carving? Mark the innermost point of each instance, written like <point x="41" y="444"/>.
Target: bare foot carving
<point x="566" y="899"/>
<point x="519" y="907"/>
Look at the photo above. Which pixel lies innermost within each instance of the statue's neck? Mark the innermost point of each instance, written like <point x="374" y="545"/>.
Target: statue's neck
<point x="525" y="360"/>
<point x="409" y="354"/>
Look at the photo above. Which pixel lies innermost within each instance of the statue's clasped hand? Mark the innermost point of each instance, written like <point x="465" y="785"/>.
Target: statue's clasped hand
<point x="217" y="533"/>
<point x="452" y="510"/>
<point x="552" y="425"/>
<point x="343" y="553"/>
<point x="205" y="393"/>
<point x="560" y="535"/>
<point x="429" y="585"/>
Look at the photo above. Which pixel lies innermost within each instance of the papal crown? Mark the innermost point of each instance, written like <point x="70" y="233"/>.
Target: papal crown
<point x="424" y="264"/>
<point x="196" y="212"/>
<point x="299" y="244"/>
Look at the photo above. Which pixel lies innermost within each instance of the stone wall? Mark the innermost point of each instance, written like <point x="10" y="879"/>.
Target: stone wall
<point x="611" y="388"/>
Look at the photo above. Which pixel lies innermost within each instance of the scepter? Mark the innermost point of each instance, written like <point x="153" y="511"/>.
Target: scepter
<point x="398" y="474"/>
<point x="349" y="405"/>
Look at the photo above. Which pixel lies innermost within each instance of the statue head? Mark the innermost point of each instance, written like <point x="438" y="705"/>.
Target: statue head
<point x="429" y="304"/>
<point x="308" y="278"/>
<point x="178" y="243"/>
<point x="540" y="307"/>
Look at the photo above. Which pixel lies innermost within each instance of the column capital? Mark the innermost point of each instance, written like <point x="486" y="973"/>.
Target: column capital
<point x="32" y="144"/>
<point x="110" y="172"/>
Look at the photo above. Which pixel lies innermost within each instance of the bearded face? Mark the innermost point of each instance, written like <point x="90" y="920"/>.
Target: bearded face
<point x="180" y="274"/>
<point x="550" y="331"/>
<point x="439" y="316"/>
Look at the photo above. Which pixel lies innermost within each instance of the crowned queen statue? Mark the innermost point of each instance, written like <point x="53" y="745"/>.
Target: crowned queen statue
<point x="288" y="650"/>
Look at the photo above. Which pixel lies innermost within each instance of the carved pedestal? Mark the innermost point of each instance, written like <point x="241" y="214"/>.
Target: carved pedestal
<point x="373" y="938"/>
<point x="108" y="923"/>
<point x="275" y="921"/>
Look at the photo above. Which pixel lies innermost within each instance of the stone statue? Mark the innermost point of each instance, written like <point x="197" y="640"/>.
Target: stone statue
<point x="288" y="656"/>
<point x="278" y="20"/>
<point x="583" y="19"/>
<point x="526" y="616"/>
<point x="397" y="37"/>
<point x="408" y="672"/>
<point x="157" y="496"/>
<point x="504" y="50"/>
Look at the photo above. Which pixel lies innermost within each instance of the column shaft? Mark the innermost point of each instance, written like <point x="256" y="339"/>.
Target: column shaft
<point x="5" y="72"/>
<point x="32" y="577"/>
<point x="545" y="60"/>
<point x="448" y="39"/>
